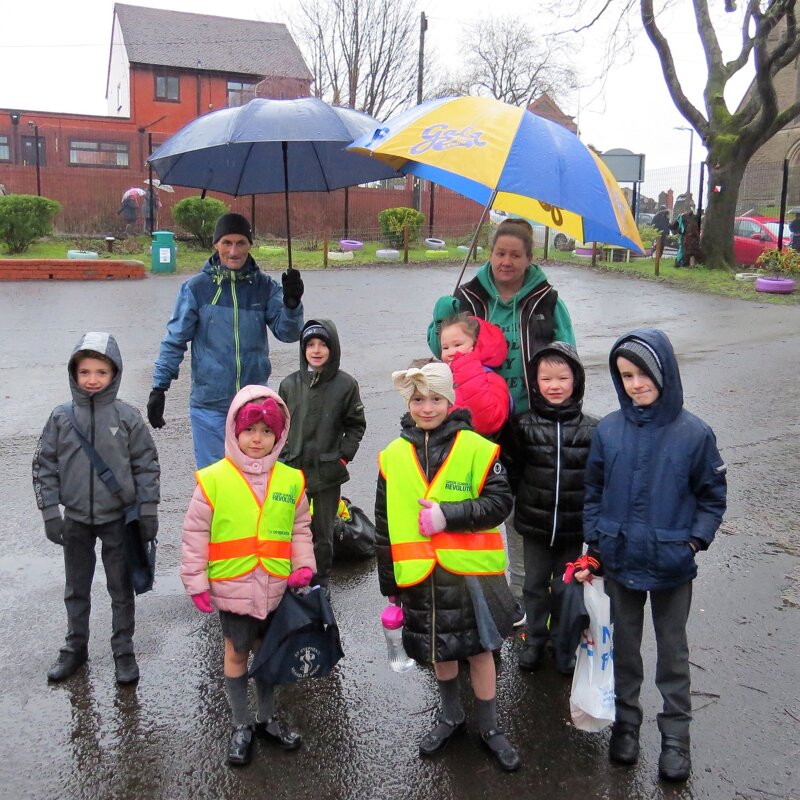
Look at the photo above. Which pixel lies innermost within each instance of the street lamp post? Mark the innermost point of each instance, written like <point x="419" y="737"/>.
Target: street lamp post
<point x="691" y="146"/>
<point x="35" y="127"/>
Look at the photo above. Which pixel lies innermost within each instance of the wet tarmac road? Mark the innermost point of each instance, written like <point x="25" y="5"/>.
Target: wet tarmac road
<point x="89" y="739"/>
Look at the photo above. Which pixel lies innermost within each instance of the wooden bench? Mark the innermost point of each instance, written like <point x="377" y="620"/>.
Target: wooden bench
<point x="69" y="269"/>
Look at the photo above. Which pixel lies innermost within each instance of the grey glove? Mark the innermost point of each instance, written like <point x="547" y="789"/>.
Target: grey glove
<point x="148" y="527"/>
<point x="54" y="530"/>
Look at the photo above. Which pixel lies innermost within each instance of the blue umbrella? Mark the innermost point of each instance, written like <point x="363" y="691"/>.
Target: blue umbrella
<point x="268" y="146"/>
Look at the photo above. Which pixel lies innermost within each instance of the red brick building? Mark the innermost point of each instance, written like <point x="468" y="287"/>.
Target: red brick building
<point x="164" y="69"/>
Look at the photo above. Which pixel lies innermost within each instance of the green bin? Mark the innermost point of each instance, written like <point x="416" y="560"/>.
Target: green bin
<point x="163" y="251"/>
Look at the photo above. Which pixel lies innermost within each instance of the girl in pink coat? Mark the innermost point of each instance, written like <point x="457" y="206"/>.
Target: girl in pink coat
<point x="246" y="537"/>
<point x="474" y="348"/>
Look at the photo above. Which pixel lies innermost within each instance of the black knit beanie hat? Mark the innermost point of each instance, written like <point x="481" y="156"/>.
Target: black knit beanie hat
<point x="315" y="331"/>
<point x="644" y="356"/>
<point x="232" y="223"/>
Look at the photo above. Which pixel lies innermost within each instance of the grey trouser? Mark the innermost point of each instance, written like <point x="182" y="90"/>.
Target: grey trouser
<point x="516" y="559"/>
<point x="670" y="611"/>
<point x="326" y="504"/>
<point x="544" y="586"/>
<point x="79" y="562"/>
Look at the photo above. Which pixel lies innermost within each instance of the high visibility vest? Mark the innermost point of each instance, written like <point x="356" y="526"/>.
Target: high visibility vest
<point x="245" y="534"/>
<point x="461" y="477"/>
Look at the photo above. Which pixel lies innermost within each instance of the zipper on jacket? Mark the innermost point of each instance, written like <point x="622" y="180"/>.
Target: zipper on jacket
<point x="236" y="332"/>
<point x="433" y="616"/>
<point x="558" y="480"/>
<point x="91" y="466"/>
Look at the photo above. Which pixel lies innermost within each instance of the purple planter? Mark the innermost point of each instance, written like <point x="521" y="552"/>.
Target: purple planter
<point x="775" y="285"/>
<point x="346" y="245"/>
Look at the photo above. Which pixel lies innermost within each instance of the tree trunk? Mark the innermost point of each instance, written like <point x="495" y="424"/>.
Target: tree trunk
<point x="717" y="234"/>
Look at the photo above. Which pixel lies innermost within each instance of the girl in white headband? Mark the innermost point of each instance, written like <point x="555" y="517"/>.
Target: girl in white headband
<point x="441" y="495"/>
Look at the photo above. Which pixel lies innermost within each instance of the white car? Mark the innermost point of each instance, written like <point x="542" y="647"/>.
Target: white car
<point x="557" y="238"/>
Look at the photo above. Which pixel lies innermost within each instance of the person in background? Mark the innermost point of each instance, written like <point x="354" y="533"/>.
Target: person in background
<point x="794" y="229"/>
<point x="655" y="497"/>
<point x="243" y="546"/>
<point x="64" y="476"/>
<point x="441" y="494"/>
<point x="328" y="424"/>
<point x="224" y="311"/>
<point x="661" y="224"/>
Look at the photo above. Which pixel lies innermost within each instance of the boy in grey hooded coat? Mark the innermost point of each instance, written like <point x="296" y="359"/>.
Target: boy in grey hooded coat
<point x="64" y="476"/>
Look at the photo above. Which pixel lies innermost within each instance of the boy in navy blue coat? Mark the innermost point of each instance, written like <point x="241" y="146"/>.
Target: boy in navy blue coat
<point x="655" y="496"/>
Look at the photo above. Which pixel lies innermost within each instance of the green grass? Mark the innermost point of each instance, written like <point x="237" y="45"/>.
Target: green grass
<point x="695" y="279"/>
<point x="190" y="258"/>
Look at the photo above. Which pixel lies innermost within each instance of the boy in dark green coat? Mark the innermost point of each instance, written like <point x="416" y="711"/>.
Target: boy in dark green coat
<point x="326" y="429"/>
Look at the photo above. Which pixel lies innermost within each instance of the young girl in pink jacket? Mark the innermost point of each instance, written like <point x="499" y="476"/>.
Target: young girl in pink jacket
<point x="246" y="537"/>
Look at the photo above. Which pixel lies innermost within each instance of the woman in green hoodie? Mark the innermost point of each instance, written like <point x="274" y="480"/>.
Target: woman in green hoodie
<point x="514" y="294"/>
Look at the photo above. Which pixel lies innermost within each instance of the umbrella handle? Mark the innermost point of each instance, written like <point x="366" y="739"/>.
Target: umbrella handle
<point x="475" y="239"/>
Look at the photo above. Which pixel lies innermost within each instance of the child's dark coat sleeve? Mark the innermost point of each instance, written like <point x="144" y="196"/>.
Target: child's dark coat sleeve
<point x="709" y="485"/>
<point x="354" y="423"/>
<point x="144" y="467"/>
<point x="46" y="484"/>
<point x="383" y="548"/>
<point x="593" y="489"/>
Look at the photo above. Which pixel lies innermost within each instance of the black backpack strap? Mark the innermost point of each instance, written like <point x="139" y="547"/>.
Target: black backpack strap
<point x="100" y="466"/>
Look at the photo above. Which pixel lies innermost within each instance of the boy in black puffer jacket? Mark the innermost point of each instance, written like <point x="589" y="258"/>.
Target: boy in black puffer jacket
<point x="546" y="457"/>
<point x="327" y="426"/>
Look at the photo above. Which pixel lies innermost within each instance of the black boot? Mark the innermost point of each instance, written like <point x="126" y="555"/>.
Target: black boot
<point x="624" y="745"/>
<point x="674" y="763"/>
<point x="532" y="657"/>
<point x="239" y="746"/>
<point x="126" y="669"/>
<point x="67" y="663"/>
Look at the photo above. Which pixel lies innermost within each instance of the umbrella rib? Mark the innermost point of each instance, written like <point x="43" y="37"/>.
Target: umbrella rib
<point x="321" y="169"/>
<point x="243" y="169"/>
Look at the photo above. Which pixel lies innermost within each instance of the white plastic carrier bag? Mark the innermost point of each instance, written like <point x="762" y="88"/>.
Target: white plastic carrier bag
<point x="591" y="701"/>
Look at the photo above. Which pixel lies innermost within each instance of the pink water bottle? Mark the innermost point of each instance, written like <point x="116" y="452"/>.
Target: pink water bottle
<point x="392" y="621"/>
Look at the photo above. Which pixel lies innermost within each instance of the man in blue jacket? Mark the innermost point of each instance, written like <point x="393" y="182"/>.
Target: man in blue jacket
<point x="224" y="311"/>
<point x="655" y="496"/>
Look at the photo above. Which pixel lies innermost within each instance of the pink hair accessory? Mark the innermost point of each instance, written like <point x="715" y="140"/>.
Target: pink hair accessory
<point x="268" y="412"/>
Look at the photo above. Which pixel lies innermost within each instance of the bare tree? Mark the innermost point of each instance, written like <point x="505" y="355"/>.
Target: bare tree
<point x="363" y="53"/>
<point x="770" y="42"/>
<point x="507" y="60"/>
<point x="770" y="37"/>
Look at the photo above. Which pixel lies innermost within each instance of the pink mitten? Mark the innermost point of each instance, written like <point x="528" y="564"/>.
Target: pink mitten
<point x="300" y="578"/>
<point x="202" y="602"/>
<point x="431" y="518"/>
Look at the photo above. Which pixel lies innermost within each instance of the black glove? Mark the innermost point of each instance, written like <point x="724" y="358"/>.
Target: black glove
<point x="292" y="288"/>
<point x="155" y="408"/>
<point x="54" y="530"/>
<point x="148" y="527"/>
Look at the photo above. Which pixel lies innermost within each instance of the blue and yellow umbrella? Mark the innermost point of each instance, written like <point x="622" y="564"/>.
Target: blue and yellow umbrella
<point x="505" y="157"/>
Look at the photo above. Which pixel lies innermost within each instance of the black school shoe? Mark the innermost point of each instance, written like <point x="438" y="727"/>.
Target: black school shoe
<point x="240" y="746"/>
<point x="505" y="754"/>
<point x="436" y="739"/>
<point x="67" y="663"/>
<point x="532" y="657"/>
<point x="624" y="745"/>
<point x="674" y="763"/>
<point x="126" y="669"/>
<point x="276" y="731"/>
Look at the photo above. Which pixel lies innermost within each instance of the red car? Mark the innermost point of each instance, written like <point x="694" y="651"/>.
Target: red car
<point x="753" y="235"/>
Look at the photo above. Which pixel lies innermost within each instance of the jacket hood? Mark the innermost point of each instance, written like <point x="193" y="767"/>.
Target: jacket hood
<point x="534" y="275"/>
<point x="331" y="367"/>
<point x="106" y="345"/>
<point x="670" y="401"/>
<point x="491" y="347"/>
<point x="246" y="464"/>
<point x="573" y="405"/>
<point x="218" y="273"/>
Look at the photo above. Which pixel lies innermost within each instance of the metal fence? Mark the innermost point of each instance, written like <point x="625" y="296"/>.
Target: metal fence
<point x="91" y="197"/>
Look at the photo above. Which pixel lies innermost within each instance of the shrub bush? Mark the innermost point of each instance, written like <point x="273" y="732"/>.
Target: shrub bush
<point x="198" y="216"/>
<point x="392" y="221"/>
<point x="24" y="218"/>
<point x="779" y="261"/>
